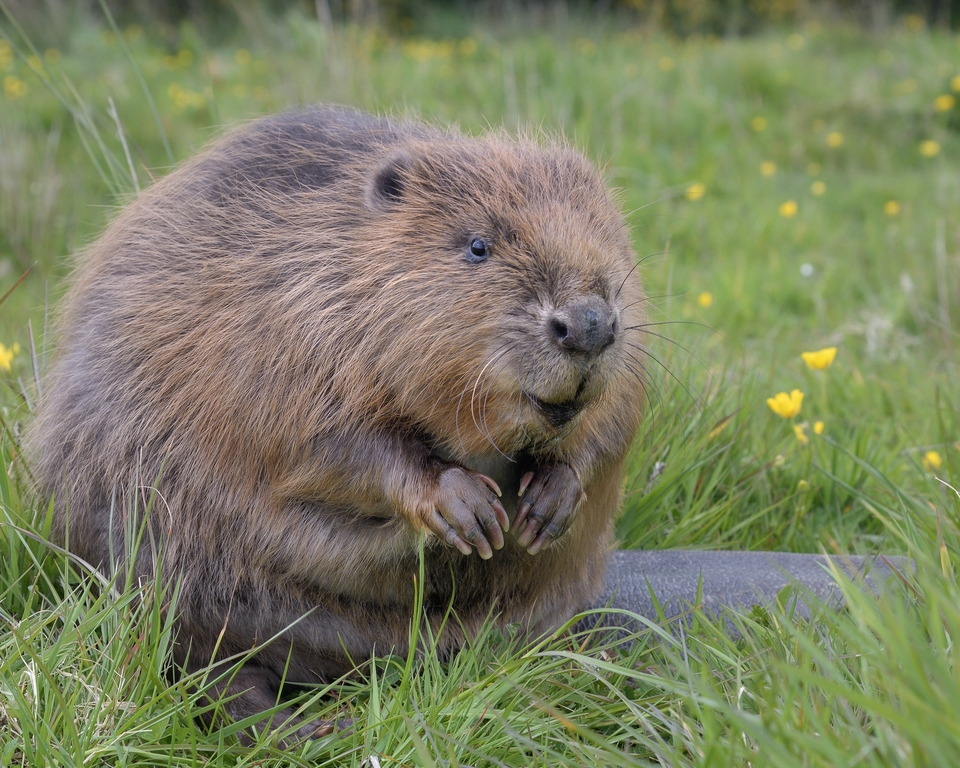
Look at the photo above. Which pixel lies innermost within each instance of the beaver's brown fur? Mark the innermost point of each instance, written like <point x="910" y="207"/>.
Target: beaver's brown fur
<point x="323" y="336"/>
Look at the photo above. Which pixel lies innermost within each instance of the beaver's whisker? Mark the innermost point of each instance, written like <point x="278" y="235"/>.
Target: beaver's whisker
<point x="695" y="397"/>
<point x="478" y="413"/>
<point x="471" y="386"/>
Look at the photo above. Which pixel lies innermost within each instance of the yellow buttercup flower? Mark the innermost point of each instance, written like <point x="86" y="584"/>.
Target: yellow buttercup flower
<point x="891" y="208"/>
<point x="834" y="139"/>
<point x="929" y="148"/>
<point x="801" y="435"/>
<point x="820" y="359"/>
<point x="944" y="102"/>
<point x="758" y="123"/>
<point x="768" y="168"/>
<point x="705" y="299"/>
<point x="784" y="405"/>
<point x="955" y="83"/>
<point x="932" y="460"/>
<point x="818" y="188"/>
<point x="14" y="87"/>
<point x="695" y="191"/>
<point x="818" y="427"/>
<point x="6" y="356"/>
<point x="788" y="209"/>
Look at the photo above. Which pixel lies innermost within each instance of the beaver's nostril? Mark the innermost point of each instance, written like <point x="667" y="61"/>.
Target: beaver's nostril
<point x="561" y="332"/>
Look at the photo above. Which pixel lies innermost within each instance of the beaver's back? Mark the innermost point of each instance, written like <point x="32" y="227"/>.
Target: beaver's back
<point x="177" y="309"/>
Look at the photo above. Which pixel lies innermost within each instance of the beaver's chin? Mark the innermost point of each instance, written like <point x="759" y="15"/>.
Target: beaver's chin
<point x="558" y="415"/>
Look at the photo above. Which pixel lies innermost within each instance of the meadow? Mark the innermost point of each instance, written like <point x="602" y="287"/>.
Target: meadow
<point x="790" y="192"/>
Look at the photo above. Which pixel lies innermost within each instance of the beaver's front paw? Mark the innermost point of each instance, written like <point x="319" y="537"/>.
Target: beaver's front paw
<point x="549" y="499"/>
<point x="465" y="512"/>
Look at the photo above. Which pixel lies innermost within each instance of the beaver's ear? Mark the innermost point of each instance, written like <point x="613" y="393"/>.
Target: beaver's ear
<point x="389" y="182"/>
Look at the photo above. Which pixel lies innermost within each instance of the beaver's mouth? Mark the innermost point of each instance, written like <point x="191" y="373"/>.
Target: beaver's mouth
<point x="558" y="414"/>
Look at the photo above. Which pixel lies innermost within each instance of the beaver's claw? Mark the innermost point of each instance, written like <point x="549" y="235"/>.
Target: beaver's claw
<point x="550" y="498"/>
<point x="466" y="512"/>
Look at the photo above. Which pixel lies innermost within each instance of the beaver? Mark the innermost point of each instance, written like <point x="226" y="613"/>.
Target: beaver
<point x="332" y="349"/>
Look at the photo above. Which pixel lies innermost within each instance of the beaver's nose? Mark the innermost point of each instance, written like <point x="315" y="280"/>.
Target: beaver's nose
<point x="586" y="326"/>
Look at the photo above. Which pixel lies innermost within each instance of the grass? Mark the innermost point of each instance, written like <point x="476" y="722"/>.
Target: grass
<point x="867" y="260"/>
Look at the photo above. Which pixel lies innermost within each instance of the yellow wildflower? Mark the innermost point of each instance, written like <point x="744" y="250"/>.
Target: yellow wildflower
<point x="929" y="148"/>
<point x="784" y="405"/>
<point x="803" y="486"/>
<point x="705" y="299"/>
<point x="758" y="123"/>
<point x="788" y="209"/>
<point x="695" y="191"/>
<point x="891" y="208"/>
<point x="955" y="83"/>
<point x="14" y="87"/>
<point x="818" y="427"/>
<point x="818" y="188"/>
<point x="944" y="102"/>
<point x="768" y="168"/>
<point x="666" y="64"/>
<point x="801" y="435"/>
<point x="6" y="356"/>
<point x="820" y="359"/>
<point x="834" y="139"/>
<point x="932" y="460"/>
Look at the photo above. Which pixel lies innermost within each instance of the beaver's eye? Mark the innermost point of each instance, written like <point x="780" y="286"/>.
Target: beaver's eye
<point x="478" y="251"/>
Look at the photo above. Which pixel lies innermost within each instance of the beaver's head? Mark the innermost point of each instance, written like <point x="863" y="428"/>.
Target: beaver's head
<point x="508" y="297"/>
